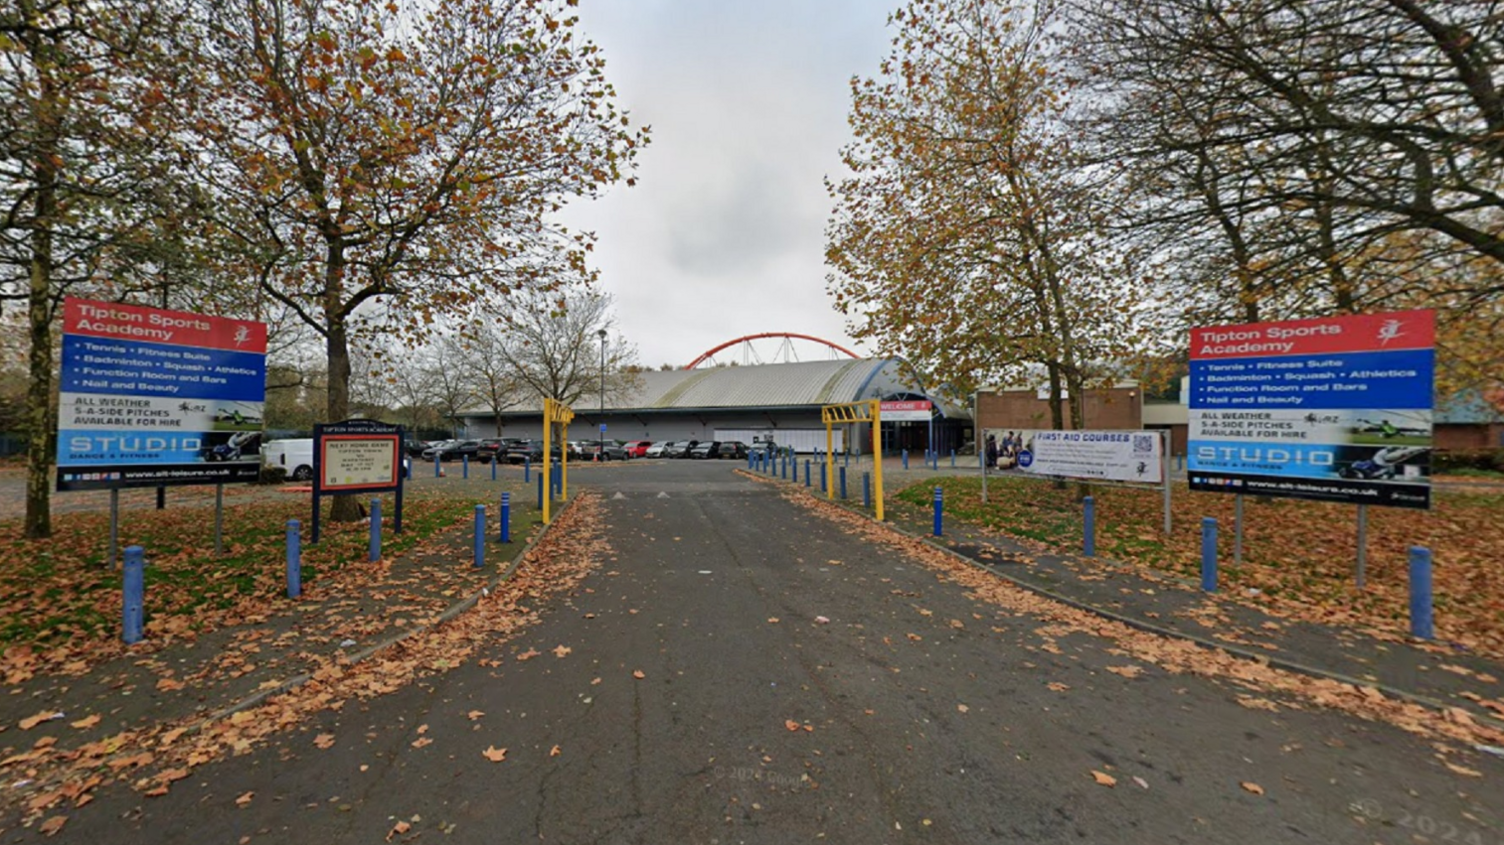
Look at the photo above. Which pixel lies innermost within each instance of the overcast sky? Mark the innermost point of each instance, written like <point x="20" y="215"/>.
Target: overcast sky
<point x="723" y="235"/>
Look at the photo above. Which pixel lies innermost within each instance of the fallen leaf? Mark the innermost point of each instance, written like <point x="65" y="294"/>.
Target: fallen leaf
<point x="1103" y="779"/>
<point x="398" y="829"/>
<point x="494" y="754"/>
<point x="1143" y="784"/>
<point x="528" y="655"/>
<point x="1126" y="671"/>
<point x="554" y="752"/>
<point x="773" y="619"/>
<point x="1252" y="787"/>
<point x="638" y="674"/>
<point x="174" y="775"/>
<point x="52" y="825"/>
<point x="324" y="740"/>
<point x="86" y="722"/>
<point x="45" y="716"/>
<point x="963" y="708"/>
<point x="915" y="637"/>
<point x="594" y="681"/>
<point x="245" y="799"/>
<point x="475" y="714"/>
<point x="422" y="729"/>
<point x="1464" y="770"/>
<point x="809" y="728"/>
<point x="422" y="741"/>
<point x="1056" y="686"/>
<point x="791" y="724"/>
<point x="169" y="685"/>
<point x="562" y="651"/>
<point x="821" y="620"/>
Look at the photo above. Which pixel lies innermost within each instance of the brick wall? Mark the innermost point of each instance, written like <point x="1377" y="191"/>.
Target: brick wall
<point x="1110" y="408"/>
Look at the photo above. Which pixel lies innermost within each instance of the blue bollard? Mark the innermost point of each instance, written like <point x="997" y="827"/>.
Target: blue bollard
<point x="494" y="462"/>
<point x="842" y="471"/>
<point x="436" y="471"/>
<point x="848" y="458"/>
<point x="527" y="470"/>
<point x="480" y="536"/>
<point x="1209" y="554"/>
<point x="906" y="459"/>
<point x="785" y="467"/>
<point x="939" y="510"/>
<point x="1422" y="622"/>
<point x="953" y="459"/>
<point x="866" y="490"/>
<point x="1089" y="531"/>
<point x="134" y="589"/>
<point x="506" y="517"/>
<point x="540" y="491"/>
<point x="465" y="466"/>
<point x="806" y="472"/>
<point x="294" y="558"/>
<point x="373" y="550"/>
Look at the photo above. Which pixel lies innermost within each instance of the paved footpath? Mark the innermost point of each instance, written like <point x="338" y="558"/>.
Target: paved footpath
<point x="915" y="713"/>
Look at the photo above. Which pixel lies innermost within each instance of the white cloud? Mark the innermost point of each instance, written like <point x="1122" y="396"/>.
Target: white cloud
<point x="724" y="234"/>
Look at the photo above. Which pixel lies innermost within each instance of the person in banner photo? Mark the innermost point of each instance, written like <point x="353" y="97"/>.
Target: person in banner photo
<point x="991" y="451"/>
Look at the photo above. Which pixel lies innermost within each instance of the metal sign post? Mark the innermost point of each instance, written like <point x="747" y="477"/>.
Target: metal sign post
<point x="1362" y="545"/>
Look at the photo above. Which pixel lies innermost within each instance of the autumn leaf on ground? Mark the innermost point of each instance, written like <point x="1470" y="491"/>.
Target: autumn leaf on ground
<point x="494" y="754"/>
<point x="245" y="799"/>
<point x="53" y="825"/>
<point x="86" y="722"/>
<point x="324" y="740"/>
<point x="1464" y="770"/>
<point x="773" y="619"/>
<point x="1103" y="779"/>
<point x="1056" y="686"/>
<point x="638" y="674"/>
<point x="791" y="724"/>
<point x="528" y="655"/>
<point x="594" y="681"/>
<point x="422" y="729"/>
<point x="915" y="637"/>
<point x="1252" y="787"/>
<point x="422" y="741"/>
<point x="1143" y="784"/>
<point x="397" y="830"/>
<point x="170" y="685"/>
<point x="475" y="714"/>
<point x="562" y="651"/>
<point x="963" y="708"/>
<point x="1126" y="671"/>
<point x="45" y="716"/>
<point x="809" y="728"/>
<point x="554" y="752"/>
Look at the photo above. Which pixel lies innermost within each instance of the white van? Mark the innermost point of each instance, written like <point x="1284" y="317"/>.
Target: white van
<point x="295" y="456"/>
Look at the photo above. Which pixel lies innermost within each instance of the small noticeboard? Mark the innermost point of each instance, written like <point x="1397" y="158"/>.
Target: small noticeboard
<point x="357" y="456"/>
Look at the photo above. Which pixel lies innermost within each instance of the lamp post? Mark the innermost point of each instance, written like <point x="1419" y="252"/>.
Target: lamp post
<point x="600" y="454"/>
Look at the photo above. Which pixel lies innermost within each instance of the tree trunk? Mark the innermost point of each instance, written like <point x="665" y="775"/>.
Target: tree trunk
<point x="344" y="508"/>
<point x="40" y="417"/>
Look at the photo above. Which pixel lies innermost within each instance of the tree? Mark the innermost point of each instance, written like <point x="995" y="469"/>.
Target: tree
<point x="1341" y="121"/>
<point x="86" y="203"/>
<point x="380" y="165"/>
<point x="966" y="237"/>
<point x="552" y="348"/>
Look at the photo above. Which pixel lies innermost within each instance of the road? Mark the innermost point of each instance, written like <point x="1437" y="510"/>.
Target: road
<point x="918" y="714"/>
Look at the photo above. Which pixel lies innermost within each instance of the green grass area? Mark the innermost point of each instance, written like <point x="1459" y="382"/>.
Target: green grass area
<point x="1397" y="440"/>
<point x="58" y="590"/>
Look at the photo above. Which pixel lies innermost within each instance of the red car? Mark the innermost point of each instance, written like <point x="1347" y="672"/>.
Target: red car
<point x="637" y="448"/>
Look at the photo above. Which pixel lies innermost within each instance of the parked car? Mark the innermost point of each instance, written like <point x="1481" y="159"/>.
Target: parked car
<point x="680" y="448"/>
<point x="496" y="448"/>
<point x="295" y="456"/>
<point x="707" y="449"/>
<point x="637" y="448"/>
<point x="452" y="450"/>
<point x="657" y="449"/>
<point x="732" y="449"/>
<point x="530" y="451"/>
<point x="612" y="451"/>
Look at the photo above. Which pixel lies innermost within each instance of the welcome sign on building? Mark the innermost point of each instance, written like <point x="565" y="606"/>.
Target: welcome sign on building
<point x="156" y="397"/>
<point x="1333" y="409"/>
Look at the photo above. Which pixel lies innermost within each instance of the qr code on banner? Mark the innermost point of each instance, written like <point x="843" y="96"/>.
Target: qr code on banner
<point x="1143" y="444"/>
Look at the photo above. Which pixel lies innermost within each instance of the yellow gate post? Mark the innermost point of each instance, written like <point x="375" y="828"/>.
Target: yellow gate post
<point x="855" y="412"/>
<point x="555" y="411"/>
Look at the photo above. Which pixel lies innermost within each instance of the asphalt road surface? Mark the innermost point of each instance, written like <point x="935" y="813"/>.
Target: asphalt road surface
<point x="931" y="720"/>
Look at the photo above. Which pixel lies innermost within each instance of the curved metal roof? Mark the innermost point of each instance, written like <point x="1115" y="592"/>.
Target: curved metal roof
<point x="765" y="385"/>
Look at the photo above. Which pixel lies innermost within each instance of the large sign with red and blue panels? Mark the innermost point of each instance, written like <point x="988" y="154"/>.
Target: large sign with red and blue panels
<point x="1335" y="409"/>
<point x="155" y="397"/>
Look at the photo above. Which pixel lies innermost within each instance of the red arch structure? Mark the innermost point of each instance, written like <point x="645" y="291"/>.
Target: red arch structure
<point x="785" y="335"/>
